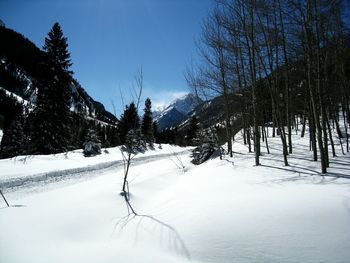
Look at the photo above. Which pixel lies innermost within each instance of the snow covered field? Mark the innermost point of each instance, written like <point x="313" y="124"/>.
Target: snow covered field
<point x="221" y="211"/>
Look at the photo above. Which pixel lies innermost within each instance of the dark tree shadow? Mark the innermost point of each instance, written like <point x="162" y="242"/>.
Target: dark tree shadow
<point x="12" y="206"/>
<point x="178" y="245"/>
<point x="308" y="172"/>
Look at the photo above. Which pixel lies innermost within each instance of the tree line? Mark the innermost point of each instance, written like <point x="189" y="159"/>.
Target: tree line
<point x="282" y="62"/>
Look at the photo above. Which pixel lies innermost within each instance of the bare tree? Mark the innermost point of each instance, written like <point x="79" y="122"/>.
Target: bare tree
<point x="131" y="147"/>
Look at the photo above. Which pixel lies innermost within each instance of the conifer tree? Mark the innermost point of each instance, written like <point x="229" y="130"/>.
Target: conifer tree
<point x="13" y="139"/>
<point x="92" y="144"/>
<point x="128" y="121"/>
<point x="191" y="132"/>
<point x="147" y="122"/>
<point x="51" y="117"/>
<point x="56" y="47"/>
<point x="112" y="136"/>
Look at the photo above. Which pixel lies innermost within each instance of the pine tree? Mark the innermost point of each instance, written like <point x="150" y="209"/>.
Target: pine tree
<point x="191" y="132"/>
<point x="128" y="121"/>
<point x="56" y="47"/>
<point x="147" y="123"/>
<point x="13" y="139"/>
<point x="112" y="136"/>
<point x="51" y="117"/>
<point x="92" y="144"/>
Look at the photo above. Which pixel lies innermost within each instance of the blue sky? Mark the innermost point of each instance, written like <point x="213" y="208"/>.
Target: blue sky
<point x="109" y="40"/>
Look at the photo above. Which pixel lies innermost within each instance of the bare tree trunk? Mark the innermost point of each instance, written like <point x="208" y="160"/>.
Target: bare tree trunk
<point x="286" y="76"/>
<point x="248" y="140"/>
<point x="346" y="129"/>
<point x="267" y="144"/>
<point x="303" y="127"/>
<point x="126" y="173"/>
<point x="262" y="134"/>
<point x="312" y="134"/>
<point x="340" y="136"/>
<point x="244" y="133"/>
<point x="252" y="63"/>
<point x="330" y="137"/>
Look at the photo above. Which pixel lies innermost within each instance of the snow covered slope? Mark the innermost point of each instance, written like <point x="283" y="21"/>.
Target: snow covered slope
<point x="222" y="211"/>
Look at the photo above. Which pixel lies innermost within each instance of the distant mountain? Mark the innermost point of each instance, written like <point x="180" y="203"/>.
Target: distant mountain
<point x="211" y="113"/>
<point x="176" y="111"/>
<point x="20" y="64"/>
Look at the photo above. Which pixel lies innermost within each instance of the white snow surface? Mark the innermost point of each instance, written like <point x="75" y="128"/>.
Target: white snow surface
<point x="221" y="211"/>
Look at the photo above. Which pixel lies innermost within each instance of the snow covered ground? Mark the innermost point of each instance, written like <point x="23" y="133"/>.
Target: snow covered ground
<point x="25" y="169"/>
<point x="221" y="211"/>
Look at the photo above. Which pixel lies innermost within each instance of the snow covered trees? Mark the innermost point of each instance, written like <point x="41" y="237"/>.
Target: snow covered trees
<point x="92" y="144"/>
<point x="206" y="146"/>
<point x="50" y="119"/>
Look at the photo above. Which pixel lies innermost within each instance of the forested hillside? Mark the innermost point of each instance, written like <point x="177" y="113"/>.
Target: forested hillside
<point x="26" y="74"/>
<point x="281" y="64"/>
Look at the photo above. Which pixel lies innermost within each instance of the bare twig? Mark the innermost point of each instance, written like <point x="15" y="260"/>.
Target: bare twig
<point x="4" y="199"/>
<point x="178" y="161"/>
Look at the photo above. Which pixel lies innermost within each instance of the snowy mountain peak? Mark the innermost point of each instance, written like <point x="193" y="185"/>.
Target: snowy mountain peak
<point x="176" y="111"/>
<point x="185" y="104"/>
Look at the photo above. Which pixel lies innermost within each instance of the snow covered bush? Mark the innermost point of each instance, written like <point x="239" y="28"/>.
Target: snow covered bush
<point x="202" y="153"/>
<point x="134" y="142"/>
<point x="205" y="149"/>
<point x="92" y="145"/>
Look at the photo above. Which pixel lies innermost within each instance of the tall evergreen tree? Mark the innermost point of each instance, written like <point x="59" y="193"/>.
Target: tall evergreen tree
<point x="51" y="117"/>
<point x="147" y="122"/>
<point x="128" y="121"/>
<point x="56" y="47"/>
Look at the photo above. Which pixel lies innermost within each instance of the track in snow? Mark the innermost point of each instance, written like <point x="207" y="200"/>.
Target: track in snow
<point x="30" y="181"/>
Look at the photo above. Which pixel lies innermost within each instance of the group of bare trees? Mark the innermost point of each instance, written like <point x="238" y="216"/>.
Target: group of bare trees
<point x="286" y="61"/>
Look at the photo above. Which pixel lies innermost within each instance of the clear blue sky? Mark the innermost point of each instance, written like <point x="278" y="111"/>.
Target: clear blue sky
<point x="109" y="40"/>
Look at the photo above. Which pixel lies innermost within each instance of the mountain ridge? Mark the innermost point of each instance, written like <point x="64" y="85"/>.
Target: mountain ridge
<point x="177" y="110"/>
<point x="20" y="61"/>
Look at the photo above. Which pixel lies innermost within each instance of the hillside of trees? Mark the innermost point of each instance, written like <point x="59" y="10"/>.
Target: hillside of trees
<point x="279" y="63"/>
